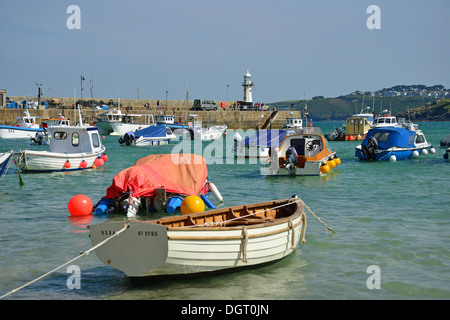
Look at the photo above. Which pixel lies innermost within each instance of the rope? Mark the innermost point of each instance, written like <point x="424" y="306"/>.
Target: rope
<point x="84" y="253"/>
<point x="318" y="219"/>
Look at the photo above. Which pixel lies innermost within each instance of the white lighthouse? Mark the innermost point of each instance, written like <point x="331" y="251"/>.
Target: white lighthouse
<point x="247" y="84"/>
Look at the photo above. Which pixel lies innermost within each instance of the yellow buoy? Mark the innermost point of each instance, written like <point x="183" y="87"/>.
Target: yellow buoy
<point x="331" y="164"/>
<point x="325" y="169"/>
<point x="192" y="204"/>
<point x="337" y="161"/>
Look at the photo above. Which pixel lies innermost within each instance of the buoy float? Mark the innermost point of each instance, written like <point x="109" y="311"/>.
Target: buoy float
<point x="350" y="138"/>
<point x="415" y="153"/>
<point x="83" y="164"/>
<point x="67" y="164"/>
<point x="105" y="157"/>
<point x="325" y="169"/>
<point x="337" y="161"/>
<point x="215" y="192"/>
<point x="192" y="204"/>
<point x="424" y="152"/>
<point x="207" y="201"/>
<point x="392" y="158"/>
<point x="432" y="150"/>
<point x="99" y="162"/>
<point x="331" y="164"/>
<point x="80" y="205"/>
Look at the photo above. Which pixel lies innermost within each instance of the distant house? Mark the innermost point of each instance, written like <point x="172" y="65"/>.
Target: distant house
<point x="391" y="93"/>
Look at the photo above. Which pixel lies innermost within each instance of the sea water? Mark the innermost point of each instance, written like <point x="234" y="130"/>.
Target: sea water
<point x="391" y="221"/>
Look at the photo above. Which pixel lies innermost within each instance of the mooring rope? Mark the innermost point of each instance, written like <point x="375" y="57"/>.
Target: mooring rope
<point x="82" y="254"/>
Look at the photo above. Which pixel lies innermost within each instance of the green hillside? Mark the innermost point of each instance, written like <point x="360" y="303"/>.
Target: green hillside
<point x="433" y="111"/>
<point x="342" y="107"/>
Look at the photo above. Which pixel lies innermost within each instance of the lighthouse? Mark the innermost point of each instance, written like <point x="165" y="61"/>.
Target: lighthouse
<point x="247" y="84"/>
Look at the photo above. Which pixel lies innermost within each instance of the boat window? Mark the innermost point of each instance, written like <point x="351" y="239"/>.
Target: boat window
<point x="411" y="139"/>
<point x="60" y="135"/>
<point x="75" y="139"/>
<point x="381" y="136"/>
<point x="95" y="140"/>
<point x="420" y="138"/>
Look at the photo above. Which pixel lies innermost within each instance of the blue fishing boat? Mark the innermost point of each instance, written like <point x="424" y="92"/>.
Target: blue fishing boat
<point x="403" y="141"/>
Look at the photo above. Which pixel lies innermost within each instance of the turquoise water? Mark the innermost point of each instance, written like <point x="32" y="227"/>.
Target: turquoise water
<point x="391" y="215"/>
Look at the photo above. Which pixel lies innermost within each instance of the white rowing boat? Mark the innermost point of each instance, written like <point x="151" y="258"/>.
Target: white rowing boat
<point x="214" y="240"/>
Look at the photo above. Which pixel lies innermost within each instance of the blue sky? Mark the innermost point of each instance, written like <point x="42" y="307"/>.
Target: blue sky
<point x="292" y="48"/>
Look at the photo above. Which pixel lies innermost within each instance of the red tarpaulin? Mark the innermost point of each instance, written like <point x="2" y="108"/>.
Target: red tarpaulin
<point x="177" y="173"/>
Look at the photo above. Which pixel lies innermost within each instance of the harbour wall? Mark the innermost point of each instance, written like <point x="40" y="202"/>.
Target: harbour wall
<point x="234" y="119"/>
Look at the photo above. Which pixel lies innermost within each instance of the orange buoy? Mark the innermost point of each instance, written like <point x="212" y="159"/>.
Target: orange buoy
<point x="67" y="164"/>
<point x="83" y="164"/>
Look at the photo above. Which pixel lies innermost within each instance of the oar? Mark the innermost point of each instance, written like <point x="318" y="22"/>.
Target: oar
<point x="18" y="171"/>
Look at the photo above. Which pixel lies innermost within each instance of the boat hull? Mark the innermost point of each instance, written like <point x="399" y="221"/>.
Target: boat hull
<point x="198" y="249"/>
<point x="120" y="128"/>
<point x="45" y="161"/>
<point x="399" y="153"/>
<point x="12" y="132"/>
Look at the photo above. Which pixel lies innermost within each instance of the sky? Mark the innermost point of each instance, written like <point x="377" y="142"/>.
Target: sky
<point x="293" y="49"/>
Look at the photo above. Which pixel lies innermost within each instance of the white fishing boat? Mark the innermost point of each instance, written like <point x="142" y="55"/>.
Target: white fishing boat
<point x="26" y="127"/>
<point x="150" y="136"/>
<point x="105" y="120"/>
<point x="132" y="122"/>
<point x="205" y="134"/>
<point x="72" y="148"/>
<point x="60" y="121"/>
<point x="215" y="240"/>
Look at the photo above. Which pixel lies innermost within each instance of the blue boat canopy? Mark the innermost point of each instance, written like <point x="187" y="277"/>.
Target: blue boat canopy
<point x="388" y="137"/>
<point x="265" y="138"/>
<point x="151" y="131"/>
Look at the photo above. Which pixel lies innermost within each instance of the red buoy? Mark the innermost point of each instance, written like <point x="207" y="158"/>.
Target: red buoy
<point x="105" y="157"/>
<point x="99" y="162"/>
<point x="67" y="164"/>
<point x="80" y="205"/>
<point x="83" y="164"/>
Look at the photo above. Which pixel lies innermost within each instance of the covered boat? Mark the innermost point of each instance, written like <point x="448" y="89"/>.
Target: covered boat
<point x="394" y="143"/>
<point x="150" y="136"/>
<point x="302" y="154"/>
<point x="259" y="144"/>
<point x="160" y="182"/>
<point x="215" y="240"/>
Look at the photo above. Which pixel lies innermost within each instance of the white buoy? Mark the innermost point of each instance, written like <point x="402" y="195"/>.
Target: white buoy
<point x="393" y="158"/>
<point x="415" y="153"/>
<point x="424" y="152"/>
<point x="432" y="150"/>
<point x="215" y="192"/>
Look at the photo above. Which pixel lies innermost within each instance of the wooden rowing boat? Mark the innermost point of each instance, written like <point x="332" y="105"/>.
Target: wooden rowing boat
<point x="215" y="240"/>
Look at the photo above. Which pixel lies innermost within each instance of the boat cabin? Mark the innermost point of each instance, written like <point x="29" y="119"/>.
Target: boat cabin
<point x="388" y="137"/>
<point x="293" y="123"/>
<point x="385" y="121"/>
<point x="75" y="139"/>
<point x="165" y="119"/>
<point x="357" y="125"/>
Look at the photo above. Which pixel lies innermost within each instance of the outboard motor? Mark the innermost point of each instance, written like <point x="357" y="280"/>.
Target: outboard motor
<point x="38" y="138"/>
<point x="127" y="138"/>
<point x="291" y="160"/>
<point x="369" y="149"/>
